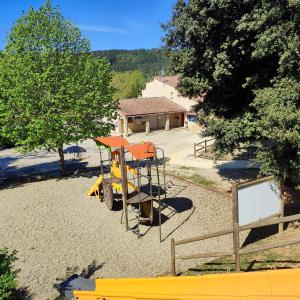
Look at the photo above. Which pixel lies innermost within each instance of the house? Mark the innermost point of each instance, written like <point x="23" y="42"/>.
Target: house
<point x="160" y="107"/>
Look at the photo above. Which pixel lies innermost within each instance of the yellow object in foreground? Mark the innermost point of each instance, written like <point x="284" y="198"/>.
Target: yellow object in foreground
<point x="267" y="285"/>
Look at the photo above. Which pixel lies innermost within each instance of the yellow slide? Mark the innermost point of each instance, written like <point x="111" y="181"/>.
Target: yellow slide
<point x="266" y="285"/>
<point x="95" y="188"/>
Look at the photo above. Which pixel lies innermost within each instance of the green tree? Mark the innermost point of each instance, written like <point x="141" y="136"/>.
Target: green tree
<point x="244" y="56"/>
<point x="54" y="91"/>
<point x="127" y="84"/>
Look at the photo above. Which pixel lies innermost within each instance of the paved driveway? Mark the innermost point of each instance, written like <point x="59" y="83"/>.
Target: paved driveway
<point x="177" y="144"/>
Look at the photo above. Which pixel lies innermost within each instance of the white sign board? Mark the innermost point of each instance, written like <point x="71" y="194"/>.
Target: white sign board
<point x="258" y="201"/>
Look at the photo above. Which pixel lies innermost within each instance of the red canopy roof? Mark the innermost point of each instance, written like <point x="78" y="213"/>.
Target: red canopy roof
<point x="112" y="141"/>
<point x="142" y="151"/>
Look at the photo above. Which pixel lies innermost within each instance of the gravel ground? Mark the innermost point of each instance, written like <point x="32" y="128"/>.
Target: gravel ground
<point x="58" y="231"/>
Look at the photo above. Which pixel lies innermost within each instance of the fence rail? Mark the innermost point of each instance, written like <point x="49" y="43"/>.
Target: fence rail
<point x="202" y="147"/>
<point x="235" y="230"/>
<point x="198" y="147"/>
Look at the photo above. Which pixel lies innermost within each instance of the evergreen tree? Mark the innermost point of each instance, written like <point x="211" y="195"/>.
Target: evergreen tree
<point x="244" y="56"/>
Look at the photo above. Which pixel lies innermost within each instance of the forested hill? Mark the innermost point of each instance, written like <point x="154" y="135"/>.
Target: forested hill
<point x="149" y="61"/>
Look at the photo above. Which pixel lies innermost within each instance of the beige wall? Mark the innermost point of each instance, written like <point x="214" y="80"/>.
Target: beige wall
<point x="156" y="122"/>
<point x="136" y="127"/>
<point x="156" y="88"/>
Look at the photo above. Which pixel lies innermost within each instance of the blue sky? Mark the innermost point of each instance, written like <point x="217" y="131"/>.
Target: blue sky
<point x="109" y="24"/>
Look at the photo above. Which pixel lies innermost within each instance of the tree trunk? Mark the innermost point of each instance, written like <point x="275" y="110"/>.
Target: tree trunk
<point x="61" y="160"/>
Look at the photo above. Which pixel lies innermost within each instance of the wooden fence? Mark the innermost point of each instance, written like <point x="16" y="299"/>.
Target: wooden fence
<point x="202" y="146"/>
<point x="234" y="230"/>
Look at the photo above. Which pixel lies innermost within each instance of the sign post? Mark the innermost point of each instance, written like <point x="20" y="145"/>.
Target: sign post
<point x="235" y="224"/>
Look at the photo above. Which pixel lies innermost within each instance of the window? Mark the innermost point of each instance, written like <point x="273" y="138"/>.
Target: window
<point x="138" y="119"/>
<point x="191" y="118"/>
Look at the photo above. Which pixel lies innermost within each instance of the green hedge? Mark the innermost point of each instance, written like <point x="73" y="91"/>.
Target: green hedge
<point x="8" y="274"/>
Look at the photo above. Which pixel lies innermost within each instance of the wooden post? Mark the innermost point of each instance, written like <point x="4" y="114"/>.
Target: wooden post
<point x="101" y="169"/>
<point x="194" y="150"/>
<point x="235" y="224"/>
<point x="205" y="145"/>
<point x="281" y="225"/>
<point x="215" y="159"/>
<point x="173" y="265"/>
<point x="124" y="186"/>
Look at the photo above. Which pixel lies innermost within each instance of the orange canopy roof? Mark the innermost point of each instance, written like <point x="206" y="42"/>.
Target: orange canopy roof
<point x="142" y="151"/>
<point x="112" y="141"/>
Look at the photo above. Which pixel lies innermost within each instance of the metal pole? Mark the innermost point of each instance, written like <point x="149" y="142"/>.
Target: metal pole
<point x="150" y="186"/>
<point x="139" y="193"/>
<point x="110" y="163"/>
<point x="101" y="162"/>
<point x="164" y="173"/>
<point x="235" y="224"/>
<point x="205" y="144"/>
<point x="173" y="263"/>
<point x="159" y="202"/>
<point x="102" y="172"/>
<point x="124" y="186"/>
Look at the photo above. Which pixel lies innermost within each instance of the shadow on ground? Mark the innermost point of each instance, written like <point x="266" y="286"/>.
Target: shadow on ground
<point x="6" y="161"/>
<point x="86" y="272"/>
<point x="21" y="294"/>
<point x="249" y="266"/>
<point x="174" y="206"/>
<point x="45" y="171"/>
<point x="238" y="174"/>
<point x="258" y="234"/>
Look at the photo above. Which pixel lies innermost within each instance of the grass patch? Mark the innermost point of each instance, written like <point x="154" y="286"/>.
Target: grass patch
<point x="268" y="260"/>
<point x="200" y="180"/>
<point x="189" y="173"/>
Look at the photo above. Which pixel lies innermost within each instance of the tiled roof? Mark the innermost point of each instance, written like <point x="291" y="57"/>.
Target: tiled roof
<point x="146" y="106"/>
<point x="169" y="80"/>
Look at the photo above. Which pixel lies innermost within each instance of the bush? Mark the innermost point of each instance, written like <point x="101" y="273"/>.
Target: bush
<point x="8" y="275"/>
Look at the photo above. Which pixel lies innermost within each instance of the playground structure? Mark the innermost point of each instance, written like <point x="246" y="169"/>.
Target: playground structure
<point x="129" y="171"/>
